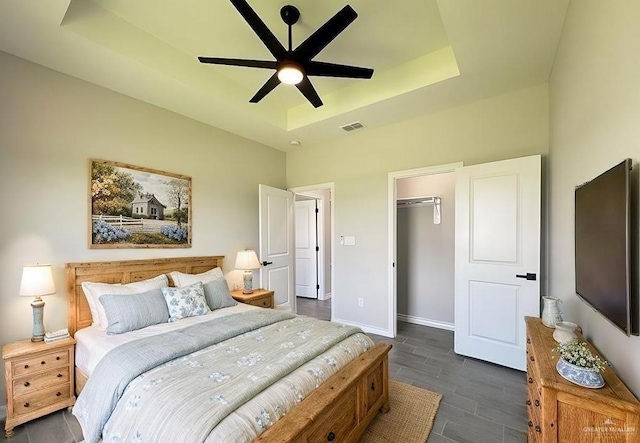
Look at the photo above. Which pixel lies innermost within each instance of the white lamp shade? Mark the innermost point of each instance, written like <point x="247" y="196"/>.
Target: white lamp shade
<point x="37" y="280"/>
<point x="247" y="259"/>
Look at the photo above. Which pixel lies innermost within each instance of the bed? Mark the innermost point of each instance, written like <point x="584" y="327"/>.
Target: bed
<point x="347" y="396"/>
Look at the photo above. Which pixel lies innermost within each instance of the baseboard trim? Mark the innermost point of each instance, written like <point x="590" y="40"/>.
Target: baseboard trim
<point x="3" y="413"/>
<point x="426" y="322"/>
<point x="366" y="328"/>
<point x="324" y="297"/>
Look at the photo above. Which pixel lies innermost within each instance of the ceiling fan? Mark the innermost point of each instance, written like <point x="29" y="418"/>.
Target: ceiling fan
<point x="294" y="66"/>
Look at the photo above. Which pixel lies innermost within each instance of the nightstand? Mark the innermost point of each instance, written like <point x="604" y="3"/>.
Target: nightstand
<point x="39" y="379"/>
<point x="259" y="297"/>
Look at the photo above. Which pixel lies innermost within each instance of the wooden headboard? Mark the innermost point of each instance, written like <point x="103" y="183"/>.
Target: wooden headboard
<point x="127" y="271"/>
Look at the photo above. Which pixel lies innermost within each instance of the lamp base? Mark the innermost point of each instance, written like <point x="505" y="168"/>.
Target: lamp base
<point x="38" y="315"/>
<point x="247" y="279"/>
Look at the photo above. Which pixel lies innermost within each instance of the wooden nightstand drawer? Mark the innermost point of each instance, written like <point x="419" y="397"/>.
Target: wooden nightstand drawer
<point x="39" y="399"/>
<point x="30" y="383"/>
<point x="39" y="363"/>
<point x="263" y="302"/>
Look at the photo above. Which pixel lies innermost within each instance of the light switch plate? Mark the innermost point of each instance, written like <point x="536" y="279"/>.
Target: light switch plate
<point x="349" y="240"/>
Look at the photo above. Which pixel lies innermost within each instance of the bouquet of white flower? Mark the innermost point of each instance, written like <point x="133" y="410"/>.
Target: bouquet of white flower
<point x="577" y="353"/>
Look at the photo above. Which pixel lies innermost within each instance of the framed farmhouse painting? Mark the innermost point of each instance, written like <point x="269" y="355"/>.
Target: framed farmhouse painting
<point x="137" y="207"/>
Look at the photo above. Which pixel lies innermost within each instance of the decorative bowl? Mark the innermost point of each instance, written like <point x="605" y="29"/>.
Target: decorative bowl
<point x="565" y="332"/>
<point x="588" y="378"/>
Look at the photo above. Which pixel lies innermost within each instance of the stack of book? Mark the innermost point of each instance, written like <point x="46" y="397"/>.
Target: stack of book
<point x="51" y="337"/>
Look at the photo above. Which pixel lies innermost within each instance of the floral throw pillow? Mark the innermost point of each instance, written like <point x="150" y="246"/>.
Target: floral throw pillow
<point x="188" y="301"/>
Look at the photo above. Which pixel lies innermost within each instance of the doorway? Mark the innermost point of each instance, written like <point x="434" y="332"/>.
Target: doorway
<point x="314" y="248"/>
<point x="497" y="255"/>
<point x="425" y="249"/>
<point x="406" y="191"/>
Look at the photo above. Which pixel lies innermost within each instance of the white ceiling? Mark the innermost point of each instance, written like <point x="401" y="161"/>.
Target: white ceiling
<point x="427" y="55"/>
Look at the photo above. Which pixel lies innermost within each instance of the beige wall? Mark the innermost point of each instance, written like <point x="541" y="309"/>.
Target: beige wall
<point x="506" y="126"/>
<point x="50" y="124"/>
<point x="595" y="124"/>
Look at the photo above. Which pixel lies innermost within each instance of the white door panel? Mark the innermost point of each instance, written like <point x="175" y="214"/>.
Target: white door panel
<point x="277" y="245"/>
<point x="497" y="238"/>
<point x="306" y="254"/>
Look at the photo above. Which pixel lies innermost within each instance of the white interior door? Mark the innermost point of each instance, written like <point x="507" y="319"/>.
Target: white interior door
<point x="497" y="258"/>
<point x="277" y="245"/>
<point x="306" y="249"/>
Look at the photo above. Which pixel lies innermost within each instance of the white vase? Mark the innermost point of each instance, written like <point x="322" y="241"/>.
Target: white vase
<point x="565" y="331"/>
<point x="551" y="311"/>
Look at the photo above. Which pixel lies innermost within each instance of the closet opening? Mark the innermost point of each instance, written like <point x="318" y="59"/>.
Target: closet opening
<point x="422" y="246"/>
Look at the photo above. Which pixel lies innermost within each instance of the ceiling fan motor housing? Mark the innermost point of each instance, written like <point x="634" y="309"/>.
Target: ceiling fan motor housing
<point x="290" y="14"/>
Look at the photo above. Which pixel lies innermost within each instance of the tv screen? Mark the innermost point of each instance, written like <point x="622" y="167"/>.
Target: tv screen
<point x="602" y="242"/>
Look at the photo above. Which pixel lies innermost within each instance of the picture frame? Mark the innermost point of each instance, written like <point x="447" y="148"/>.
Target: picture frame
<point x="137" y="207"/>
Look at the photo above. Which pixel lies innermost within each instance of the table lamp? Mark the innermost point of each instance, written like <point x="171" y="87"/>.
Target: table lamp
<point x="247" y="261"/>
<point x="37" y="281"/>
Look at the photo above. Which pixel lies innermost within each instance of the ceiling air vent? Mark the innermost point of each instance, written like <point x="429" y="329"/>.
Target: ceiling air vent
<point x="352" y="126"/>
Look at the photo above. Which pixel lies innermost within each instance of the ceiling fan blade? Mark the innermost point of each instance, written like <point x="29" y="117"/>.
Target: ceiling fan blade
<point x="309" y="92"/>
<point x="323" y="69"/>
<point x="239" y="62"/>
<point x="325" y="34"/>
<point x="262" y="31"/>
<point x="266" y="88"/>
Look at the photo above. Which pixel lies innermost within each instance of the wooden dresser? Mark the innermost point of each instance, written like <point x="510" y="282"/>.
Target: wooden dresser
<point x="560" y="411"/>
<point x="39" y="379"/>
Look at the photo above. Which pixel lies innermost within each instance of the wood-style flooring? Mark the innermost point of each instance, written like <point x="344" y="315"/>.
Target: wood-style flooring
<point x="481" y="402"/>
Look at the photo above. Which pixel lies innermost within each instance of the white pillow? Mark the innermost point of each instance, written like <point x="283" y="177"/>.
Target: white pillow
<point x="93" y="291"/>
<point x="180" y="279"/>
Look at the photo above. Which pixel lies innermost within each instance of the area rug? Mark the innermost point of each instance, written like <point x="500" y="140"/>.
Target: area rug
<point x="410" y="419"/>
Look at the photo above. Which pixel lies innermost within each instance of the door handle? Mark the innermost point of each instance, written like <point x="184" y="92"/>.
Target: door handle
<point x="267" y="263"/>
<point x="528" y="276"/>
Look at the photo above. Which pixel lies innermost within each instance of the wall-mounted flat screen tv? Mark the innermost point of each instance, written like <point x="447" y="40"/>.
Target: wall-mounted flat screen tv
<point x="603" y="246"/>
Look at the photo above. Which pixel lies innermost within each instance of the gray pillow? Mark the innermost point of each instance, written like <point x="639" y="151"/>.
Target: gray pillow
<point x="129" y="312"/>
<point x="217" y="294"/>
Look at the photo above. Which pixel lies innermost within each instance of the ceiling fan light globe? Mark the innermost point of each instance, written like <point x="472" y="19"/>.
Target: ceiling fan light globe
<point x="290" y="75"/>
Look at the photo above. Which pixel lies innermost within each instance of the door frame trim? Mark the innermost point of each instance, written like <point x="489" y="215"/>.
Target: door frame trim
<point x="393" y="235"/>
<point x="332" y="204"/>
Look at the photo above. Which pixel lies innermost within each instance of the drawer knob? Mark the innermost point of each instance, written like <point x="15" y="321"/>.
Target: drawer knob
<point x="538" y="429"/>
<point x="26" y="366"/>
<point x="26" y="405"/>
<point x="373" y="386"/>
<point x="58" y="394"/>
<point x="331" y="436"/>
<point x="27" y="384"/>
<point x="43" y="362"/>
<point x="530" y="423"/>
<point x="532" y="358"/>
<point x="528" y="341"/>
<point x="530" y="380"/>
<point x="57" y="358"/>
<point x="538" y="403"/>
<point x="528" y="402"/>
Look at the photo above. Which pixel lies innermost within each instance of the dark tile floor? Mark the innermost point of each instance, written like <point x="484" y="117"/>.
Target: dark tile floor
<point x="481" y="402"/>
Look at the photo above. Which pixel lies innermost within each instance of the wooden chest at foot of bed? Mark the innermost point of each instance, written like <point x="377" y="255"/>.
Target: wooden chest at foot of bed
<point x="342" y="407"/>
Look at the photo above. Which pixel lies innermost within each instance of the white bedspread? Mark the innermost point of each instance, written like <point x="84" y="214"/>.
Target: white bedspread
<point x="93" y="344"/>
